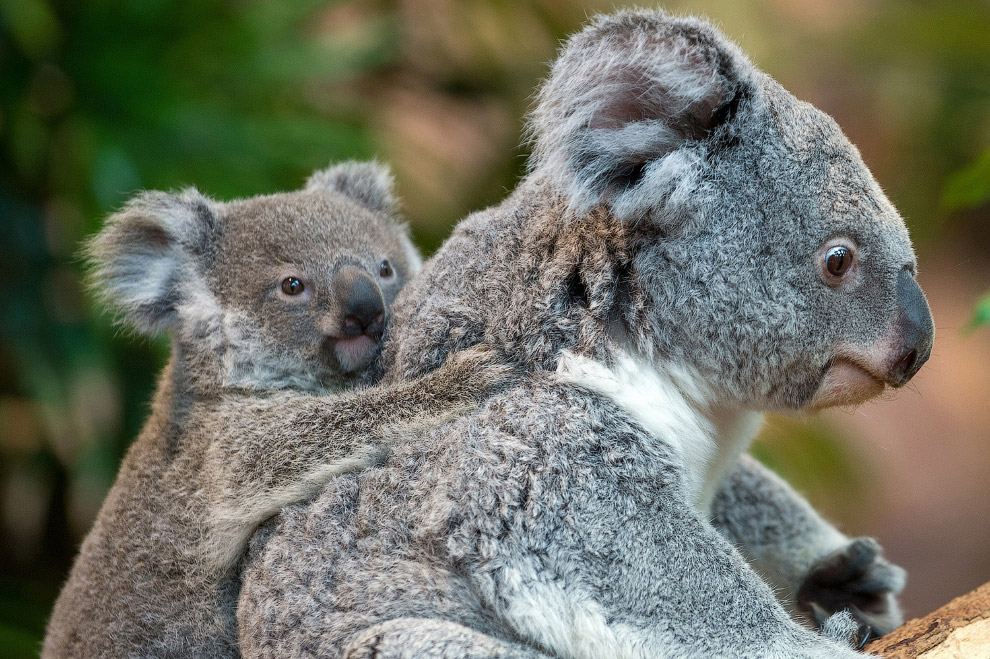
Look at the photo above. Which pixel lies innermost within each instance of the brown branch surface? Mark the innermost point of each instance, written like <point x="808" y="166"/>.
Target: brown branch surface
<point x="958" y="630"/>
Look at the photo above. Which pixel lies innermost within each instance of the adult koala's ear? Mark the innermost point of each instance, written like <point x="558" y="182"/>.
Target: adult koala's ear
<point x="368" y="183"/>
<point x="624" y="96"/>
<point x="147" y="255"/>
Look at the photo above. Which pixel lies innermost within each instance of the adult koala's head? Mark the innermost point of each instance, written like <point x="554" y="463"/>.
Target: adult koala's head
<point x="763" y="252"/>
<point x="283" y="290"/>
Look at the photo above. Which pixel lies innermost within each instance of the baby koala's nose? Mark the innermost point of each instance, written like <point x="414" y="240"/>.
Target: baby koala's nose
<point x="363" y="307"/>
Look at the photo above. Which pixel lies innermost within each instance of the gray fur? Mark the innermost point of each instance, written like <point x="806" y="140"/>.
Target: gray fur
<point x="807" y="561"/>
<point x="625" y="91"/>
<point x="153" y="242"/>
<point x="659" y="273"/>
<point x="244" y="420"/>
<point x="369" y="183"/>
<point x="411" y="638"/>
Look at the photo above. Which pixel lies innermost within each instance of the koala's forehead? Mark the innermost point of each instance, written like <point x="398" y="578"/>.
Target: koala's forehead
<point x="797" y="127"/>
<point x="807" y="162"/>
<point x="304" y="227"/>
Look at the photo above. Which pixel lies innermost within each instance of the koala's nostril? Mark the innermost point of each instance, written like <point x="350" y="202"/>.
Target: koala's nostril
<point x="376" y="327"/>
<point x="906" y="367"/>
<point x="355" y="326"/>
<point x="352" y="326"/>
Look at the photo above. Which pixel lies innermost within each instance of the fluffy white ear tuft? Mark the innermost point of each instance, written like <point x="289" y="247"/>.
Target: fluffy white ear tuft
<point x="369" y="183"/>
<point x="629" y="89"/>
<point x="148" y="252"/>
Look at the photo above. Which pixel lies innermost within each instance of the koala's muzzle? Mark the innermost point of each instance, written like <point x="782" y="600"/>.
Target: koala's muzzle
<point x="858" y="373"/>
<point x="916" y="329"/>
<point x="363" y="309"/>
<point x="358" y="319"/>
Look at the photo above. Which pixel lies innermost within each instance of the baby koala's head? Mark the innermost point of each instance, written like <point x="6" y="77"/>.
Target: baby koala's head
<point x="289" y="290"/>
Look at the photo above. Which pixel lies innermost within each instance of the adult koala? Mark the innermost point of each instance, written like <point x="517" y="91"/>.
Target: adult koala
<point x="692" y="246"/>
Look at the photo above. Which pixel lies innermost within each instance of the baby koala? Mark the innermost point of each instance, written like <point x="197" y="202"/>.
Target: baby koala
<point x="273" y="304"/>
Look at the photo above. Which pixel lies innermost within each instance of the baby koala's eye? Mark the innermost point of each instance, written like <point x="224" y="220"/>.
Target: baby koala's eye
<point x="385" y="269"/>
<point x="292" y="286"/>
<point x="838" y="260"/>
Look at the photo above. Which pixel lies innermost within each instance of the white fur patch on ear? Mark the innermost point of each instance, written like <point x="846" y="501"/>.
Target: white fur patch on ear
<point x="626" y="91"/>
<point x="146" y="254"/>
<point x="667" y="194"/>
<point x="369" y="183"/>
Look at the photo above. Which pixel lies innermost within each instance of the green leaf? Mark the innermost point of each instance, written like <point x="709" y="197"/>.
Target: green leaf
<point x="970" y="186"/>
<point x="32" y="23"/>
<point x="981" y="315"/>
<point x="16" y="643"/>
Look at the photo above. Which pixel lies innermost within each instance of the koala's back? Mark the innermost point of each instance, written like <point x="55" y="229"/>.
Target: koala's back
<point x="136" y="578"/>
<point x="456" y="301"/>
<point x="450" y="515"/>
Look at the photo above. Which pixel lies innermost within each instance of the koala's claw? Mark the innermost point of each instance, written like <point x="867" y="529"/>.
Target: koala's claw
<point x="864" y="632"/>
<point x="856" y="578"/>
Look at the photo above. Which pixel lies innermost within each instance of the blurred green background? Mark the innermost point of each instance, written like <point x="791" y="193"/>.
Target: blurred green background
<point x="238" y="97"/>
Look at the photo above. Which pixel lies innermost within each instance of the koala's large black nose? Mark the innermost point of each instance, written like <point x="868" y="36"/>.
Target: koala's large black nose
<point x="917" y="329"/>
<point x="363" y="309"/>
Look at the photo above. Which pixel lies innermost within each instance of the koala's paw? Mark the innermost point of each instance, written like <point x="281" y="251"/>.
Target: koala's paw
<point x="857" y="579"/>
<point x="477" y="372"/>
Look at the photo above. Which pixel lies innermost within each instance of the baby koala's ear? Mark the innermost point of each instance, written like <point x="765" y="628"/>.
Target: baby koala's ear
<point x="368" y="183"/>
<point x="146" y="256"/>
<point x="626" y="91"/>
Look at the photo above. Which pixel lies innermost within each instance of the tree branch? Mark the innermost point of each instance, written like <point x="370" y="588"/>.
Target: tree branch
<point x="958" y="630"/>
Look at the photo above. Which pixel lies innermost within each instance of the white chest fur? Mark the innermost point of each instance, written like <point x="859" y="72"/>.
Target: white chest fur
<point x="674" y="405"/>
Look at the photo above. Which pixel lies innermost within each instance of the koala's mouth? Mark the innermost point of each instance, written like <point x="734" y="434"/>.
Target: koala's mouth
<point x="352" y="353"/>
<point x="846" y="382"/>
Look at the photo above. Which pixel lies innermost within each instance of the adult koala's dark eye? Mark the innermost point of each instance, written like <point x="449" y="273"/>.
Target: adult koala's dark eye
<point x="838" y="260"/>
<point x="292" y="286"/>
<point x="385" y="269"/>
